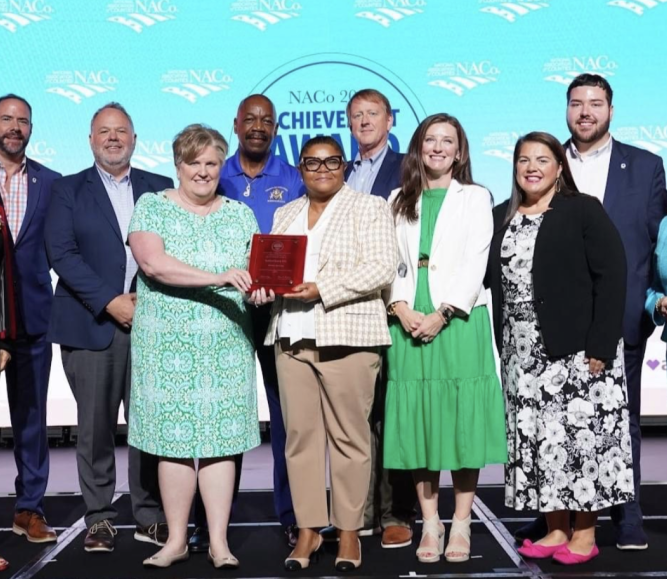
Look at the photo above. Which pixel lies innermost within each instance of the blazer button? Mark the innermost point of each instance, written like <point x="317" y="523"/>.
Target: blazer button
<point x="540" y="300"/>
<point x="122" y="267"/>
<point x="433" y="268"/>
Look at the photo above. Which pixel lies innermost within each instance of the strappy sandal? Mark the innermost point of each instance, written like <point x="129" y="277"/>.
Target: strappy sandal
<point x="458" y="553"/>
<point x="435" y="529"/>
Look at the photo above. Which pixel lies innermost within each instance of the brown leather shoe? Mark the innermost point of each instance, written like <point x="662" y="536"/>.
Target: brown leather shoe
<point x="100" y="538"/>
<point x="34" y="527"/>
<point x="395" y="536"/>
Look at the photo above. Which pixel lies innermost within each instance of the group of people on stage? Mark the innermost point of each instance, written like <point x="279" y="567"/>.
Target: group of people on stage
<point x="381" y="359"/>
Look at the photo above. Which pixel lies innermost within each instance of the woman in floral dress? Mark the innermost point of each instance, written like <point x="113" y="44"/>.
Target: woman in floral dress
<point x="193" y="361"/>
<point x="557" y="275"/>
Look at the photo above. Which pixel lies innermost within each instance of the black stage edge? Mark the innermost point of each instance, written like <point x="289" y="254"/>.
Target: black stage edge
<point x="257" y="540"/>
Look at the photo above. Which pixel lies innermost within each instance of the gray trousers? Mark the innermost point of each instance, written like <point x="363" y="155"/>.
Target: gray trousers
<point x="391" y="496"/>
<point x="100" y="381"/>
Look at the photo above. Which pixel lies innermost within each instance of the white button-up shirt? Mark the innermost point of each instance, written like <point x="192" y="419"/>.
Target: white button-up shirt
<point x="590" y="170"/>
<point x="122" y="200"/>
<point x="297" y="320"/>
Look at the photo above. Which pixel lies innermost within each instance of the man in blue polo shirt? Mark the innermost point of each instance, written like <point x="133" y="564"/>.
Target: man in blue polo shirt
<point x="255" y="176"/>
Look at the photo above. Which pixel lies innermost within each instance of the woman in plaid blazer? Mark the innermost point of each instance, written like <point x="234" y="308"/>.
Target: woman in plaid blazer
<point x="327" y="335"/>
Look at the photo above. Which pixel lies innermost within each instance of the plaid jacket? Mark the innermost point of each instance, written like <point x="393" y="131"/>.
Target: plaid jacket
<point x="358" y="259"/>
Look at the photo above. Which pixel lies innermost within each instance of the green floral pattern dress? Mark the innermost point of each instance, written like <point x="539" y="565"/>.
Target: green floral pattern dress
<point x="193" y="361"/>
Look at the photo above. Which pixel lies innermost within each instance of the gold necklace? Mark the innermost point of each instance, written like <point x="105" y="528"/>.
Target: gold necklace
<point x="194" y="205"/>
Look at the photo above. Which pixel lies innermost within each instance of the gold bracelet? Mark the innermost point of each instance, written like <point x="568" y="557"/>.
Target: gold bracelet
<point x="391" y="308"/>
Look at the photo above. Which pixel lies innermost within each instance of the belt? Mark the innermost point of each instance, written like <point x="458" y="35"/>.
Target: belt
<point x="422" y="263"/>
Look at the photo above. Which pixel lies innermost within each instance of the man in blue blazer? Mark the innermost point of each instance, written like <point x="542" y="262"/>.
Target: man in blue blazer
<point x="376" y="169"/>
<point x="25" y="186"/>
<point x="630" y="182"/>
<point x="86" y="234"/>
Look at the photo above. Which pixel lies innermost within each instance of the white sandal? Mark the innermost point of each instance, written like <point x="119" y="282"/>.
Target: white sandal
<point x="435" y="529"/>
<point x="462" y="529"/>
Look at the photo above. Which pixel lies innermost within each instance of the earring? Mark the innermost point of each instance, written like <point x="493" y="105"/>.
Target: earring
<point x="558" y="185"/>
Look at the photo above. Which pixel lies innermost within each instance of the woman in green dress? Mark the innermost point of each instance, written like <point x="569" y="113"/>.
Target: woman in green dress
<point x="444" y="406"/>
<point x="193" y="360"/>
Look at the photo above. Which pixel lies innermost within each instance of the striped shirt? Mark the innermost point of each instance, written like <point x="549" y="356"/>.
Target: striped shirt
<point x="122" y="200"/>
<point x="15" y="198"/>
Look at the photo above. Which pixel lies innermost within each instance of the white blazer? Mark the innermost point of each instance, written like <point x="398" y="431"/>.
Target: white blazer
<point x="459" y="250"/>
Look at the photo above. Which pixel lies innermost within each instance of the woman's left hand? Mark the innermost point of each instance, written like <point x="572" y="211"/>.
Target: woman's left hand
<point x="5" y="357"/>
<point x="429" y="328"/>
<point x="305" y="292"/>
<point x="260" y="297"/>
<point x="595" y="366"/>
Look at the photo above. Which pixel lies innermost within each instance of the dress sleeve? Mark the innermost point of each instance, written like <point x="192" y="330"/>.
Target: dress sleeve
<point x="146" y="216"/>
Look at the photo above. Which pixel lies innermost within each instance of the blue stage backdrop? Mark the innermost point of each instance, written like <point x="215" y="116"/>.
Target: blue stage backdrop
<point x="501" y="67"/>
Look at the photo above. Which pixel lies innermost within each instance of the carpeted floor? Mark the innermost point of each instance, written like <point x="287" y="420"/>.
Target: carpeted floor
<point x="257" y="540"/>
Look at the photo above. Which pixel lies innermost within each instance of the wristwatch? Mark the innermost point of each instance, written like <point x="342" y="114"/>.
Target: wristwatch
<point x="446" y="313"/>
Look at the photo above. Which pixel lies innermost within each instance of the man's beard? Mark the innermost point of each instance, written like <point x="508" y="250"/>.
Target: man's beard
<point x="13" y="150"/>
<point x="600" y="130"/>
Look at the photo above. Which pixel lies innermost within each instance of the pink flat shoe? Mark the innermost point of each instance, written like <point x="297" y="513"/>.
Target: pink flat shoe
<point x="534" y="551"/>
<point x="567" y="557"/>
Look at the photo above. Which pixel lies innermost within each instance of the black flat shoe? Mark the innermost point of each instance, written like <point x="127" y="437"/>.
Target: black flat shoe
<point x="199" y="541"/>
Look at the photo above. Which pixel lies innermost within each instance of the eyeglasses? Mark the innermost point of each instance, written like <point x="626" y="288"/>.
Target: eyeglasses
<point x="313" y="164"/>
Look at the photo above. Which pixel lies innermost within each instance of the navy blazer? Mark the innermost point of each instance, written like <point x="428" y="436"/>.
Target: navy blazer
<point x="636" y="201"/>
<point x="35" y="294"/>
<point x="87" y="251"/>
<point x="389" y="174"/>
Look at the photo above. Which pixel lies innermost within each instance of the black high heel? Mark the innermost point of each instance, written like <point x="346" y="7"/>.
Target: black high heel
<point x="347" y="565"/>
<point x="299" y="563"/>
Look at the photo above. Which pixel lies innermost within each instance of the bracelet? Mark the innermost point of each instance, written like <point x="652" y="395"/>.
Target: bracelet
<point x="391" y="308"/>
<point x="446" y="314"/>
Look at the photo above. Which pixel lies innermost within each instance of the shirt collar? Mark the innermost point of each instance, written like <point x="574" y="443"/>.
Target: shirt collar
<point x="109" y="179"/>
<point x="379" y="156"/>
<point x="271" y="167"/>
<point x="591" y="154"/>
<point x="23" y="167"/>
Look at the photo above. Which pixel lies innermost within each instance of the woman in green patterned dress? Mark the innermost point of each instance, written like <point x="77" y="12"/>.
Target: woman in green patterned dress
<point x="444" y="405"/>
<point x="193" y="361"/>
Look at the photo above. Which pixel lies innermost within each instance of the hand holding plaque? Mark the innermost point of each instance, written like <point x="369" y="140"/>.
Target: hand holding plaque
<point x="277" y="262"/>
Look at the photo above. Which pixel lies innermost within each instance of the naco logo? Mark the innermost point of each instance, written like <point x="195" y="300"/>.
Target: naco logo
<point x="194" y="84"/>
<point x="510" y="11"/>
<point x="459" y="77"/>
<point x="636" y="6"/>
<point x="500" y="145"/>
<point x="151" y="154"/>
<point x="264" y="13"/>
<point x="41" y="152"/>
<point x="563" y="70"/>
<point x="650" y="137"/>
<point x="386" y="12"/>
<point x="16" y="14"/>
<point x="79" y="84"/>
<point x="139" y="14"/>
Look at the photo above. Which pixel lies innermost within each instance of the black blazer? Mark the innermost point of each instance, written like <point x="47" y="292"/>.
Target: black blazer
<point x="579" y="278"/>
<point x="389" y="174"/>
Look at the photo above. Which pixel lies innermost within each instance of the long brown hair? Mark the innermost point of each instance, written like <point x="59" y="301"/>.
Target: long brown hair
<point x="568" y="187"/>
<point x="413" y="172"/>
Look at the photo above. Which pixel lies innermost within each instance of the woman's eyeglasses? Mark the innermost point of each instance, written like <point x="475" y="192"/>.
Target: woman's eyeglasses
<point x="313" y="164"/>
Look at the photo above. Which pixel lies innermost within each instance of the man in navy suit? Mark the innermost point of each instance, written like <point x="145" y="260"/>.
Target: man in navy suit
<point x="376" y="170"/>
<point x="25" y="186"/>
<point x="630" y="182"/>
<point x="86" y="234"/>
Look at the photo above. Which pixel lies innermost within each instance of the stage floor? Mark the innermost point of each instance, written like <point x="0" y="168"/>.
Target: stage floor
<point x="256" y="537"/>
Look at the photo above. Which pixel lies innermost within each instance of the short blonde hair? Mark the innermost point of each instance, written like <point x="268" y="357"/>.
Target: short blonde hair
<point x="193" y="139"/>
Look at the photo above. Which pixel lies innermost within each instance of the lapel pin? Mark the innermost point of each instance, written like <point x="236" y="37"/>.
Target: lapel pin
<point x="623" y="165"/>
<point x="34" y="179"/>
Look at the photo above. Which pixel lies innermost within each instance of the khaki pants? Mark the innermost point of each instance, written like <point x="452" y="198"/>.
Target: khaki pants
<point x="326" y="396"/>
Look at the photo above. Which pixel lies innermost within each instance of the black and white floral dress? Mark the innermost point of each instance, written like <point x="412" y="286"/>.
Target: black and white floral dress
<point x="567" y="430"/>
